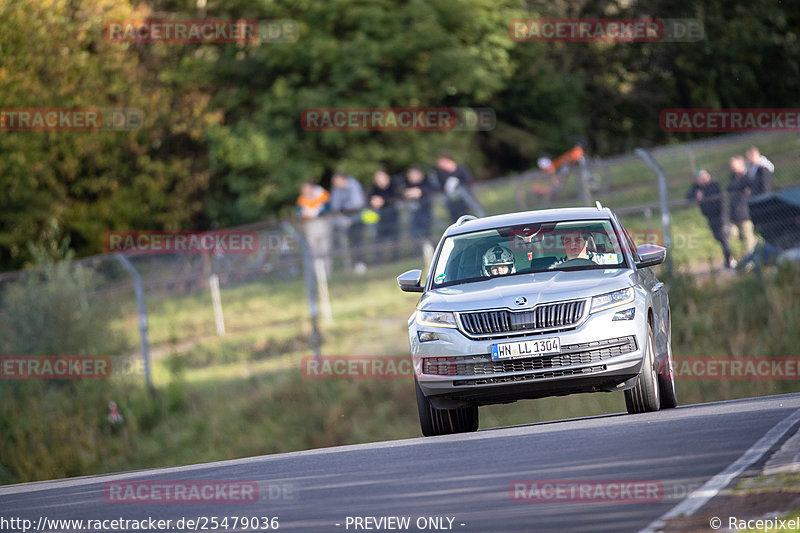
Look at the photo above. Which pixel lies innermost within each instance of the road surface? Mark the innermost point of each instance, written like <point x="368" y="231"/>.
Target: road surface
<point x="464" y="483"/>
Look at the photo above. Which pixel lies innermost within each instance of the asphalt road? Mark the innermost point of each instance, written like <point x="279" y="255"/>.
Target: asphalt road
<point x="463" y="478"/>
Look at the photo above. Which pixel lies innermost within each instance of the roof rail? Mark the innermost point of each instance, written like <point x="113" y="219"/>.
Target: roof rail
<point x="465" y="218"/>
<point x="598" y="205"/>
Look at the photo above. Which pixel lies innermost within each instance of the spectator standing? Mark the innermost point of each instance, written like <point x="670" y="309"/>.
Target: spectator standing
<point x="453" y="177"/>
<point x="708" y="194"/>
<point x="347" y="199"/>
<point x="760" y="171"/>
<point x="313" y="202"/>
<point x="419" y="191"/>
<point x="739" y="192"/>
<point x="383" y="199"/>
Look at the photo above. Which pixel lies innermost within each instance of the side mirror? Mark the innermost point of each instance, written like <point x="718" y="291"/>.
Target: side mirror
<point x="650" y="255"/>
<point x="409" y="281"/>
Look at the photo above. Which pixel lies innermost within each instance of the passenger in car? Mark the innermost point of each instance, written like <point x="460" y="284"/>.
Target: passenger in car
<point x="498" y="261"/>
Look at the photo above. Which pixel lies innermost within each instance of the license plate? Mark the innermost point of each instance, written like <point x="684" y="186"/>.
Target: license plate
<point x="513" y="350"/>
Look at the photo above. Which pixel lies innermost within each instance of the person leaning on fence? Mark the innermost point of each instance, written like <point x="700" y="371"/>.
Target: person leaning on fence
<point x="419" y="192"/>
<point x="456" y="180"/>
<point x="313" y="202"/>
<point x="739" y="192"/>
<point x="383" y="199"/>
<point x="708" y="195"/>
<point x="760" y="172"/>
<point x="347" y="199"/>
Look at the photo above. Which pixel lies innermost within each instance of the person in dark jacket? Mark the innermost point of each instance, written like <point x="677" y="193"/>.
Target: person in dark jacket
<point x="455" y="180"/>
<point x="708" y="194"/>
<point x="419" y="192"/>
<point x="739" y="191"/>
<point x="759" y="171"/>
<point x="383" y="199"/>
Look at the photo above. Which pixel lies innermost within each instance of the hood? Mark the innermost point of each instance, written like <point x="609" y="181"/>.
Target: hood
<point x="539" y="287"/>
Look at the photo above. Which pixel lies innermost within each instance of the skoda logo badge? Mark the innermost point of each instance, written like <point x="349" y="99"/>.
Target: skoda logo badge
<point x="521" y="300"/>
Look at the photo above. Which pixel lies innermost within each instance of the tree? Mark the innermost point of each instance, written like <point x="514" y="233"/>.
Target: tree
<point x="53" y="54"/>
<point x="349" y="54"/>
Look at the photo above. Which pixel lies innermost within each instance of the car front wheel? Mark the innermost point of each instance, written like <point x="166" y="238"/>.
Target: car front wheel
<point x="645" y="397"/>
<point x="666" y="378"/>
<point x="434" y="421"/>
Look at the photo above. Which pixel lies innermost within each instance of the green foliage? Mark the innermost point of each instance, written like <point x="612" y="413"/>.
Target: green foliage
<point x="376" y="54"/>
<point x="48" y="307"/>
<point x="748" y="58"/>
<point x="751" y="316"/>
<point x="53" y="54"/>
<point x="222" y="141"/>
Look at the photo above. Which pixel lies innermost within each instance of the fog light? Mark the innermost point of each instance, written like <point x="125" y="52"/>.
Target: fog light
<point x="627" y="314"/>
<point x="425" y="336"/>
<point x="439" y="366"/>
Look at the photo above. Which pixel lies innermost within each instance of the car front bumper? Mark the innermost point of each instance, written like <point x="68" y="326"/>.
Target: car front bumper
<point x="599" y="355"/>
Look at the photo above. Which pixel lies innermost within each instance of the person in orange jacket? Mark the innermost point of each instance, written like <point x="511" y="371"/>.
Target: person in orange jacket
<point x="313" y="201"/>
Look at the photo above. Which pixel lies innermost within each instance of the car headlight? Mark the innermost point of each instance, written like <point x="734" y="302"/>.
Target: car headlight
<point x="439" y="319"/>
<point x="611" y="299"/>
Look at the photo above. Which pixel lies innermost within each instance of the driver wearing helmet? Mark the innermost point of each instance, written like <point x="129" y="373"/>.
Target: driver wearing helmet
<point x="498" y="261"/>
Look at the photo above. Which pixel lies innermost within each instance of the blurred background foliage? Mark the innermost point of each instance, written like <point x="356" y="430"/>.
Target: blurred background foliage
<point x="222" y="143"/>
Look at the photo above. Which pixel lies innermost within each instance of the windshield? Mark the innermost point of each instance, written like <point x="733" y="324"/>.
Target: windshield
<point x="512" y="250"/>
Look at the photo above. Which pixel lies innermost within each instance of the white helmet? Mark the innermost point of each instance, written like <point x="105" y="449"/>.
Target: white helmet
<point x="498" y="256"/>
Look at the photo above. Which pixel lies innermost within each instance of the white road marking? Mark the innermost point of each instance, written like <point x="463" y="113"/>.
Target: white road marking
<point x="711" y="488"/>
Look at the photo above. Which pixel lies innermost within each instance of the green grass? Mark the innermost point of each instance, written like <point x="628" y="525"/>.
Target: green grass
<point x="767" y="487"/>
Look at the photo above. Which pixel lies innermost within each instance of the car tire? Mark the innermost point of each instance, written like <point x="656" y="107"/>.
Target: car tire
<point x="666" y="378"/>
<point x="434" y="421"/>
<point x="645" y="397"/>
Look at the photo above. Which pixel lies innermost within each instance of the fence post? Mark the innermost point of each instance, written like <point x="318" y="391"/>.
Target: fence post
<point x="137" y="286"/>
<point x="471" y="201"/>
<point x="311" y="286"/>
<point x="322" y="286"/>
<point x="216" y="302"/>
<point x="663" y="197"/>
<point x="427" y="253"/>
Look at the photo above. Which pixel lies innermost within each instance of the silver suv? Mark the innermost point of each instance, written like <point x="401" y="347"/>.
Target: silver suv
<point x="536" y="304"/>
